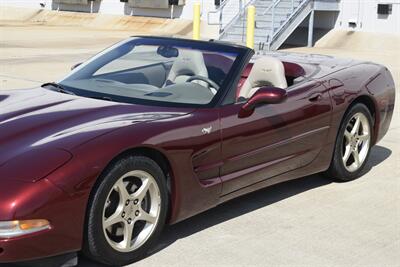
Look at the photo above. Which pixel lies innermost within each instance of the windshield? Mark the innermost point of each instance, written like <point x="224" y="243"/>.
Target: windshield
<point x="151" y="70"/>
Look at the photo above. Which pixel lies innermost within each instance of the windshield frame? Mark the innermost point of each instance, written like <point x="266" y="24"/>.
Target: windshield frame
<point x="209" y="46"/>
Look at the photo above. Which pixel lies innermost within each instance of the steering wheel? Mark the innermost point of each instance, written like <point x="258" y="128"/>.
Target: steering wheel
<point x="204" y="79"/>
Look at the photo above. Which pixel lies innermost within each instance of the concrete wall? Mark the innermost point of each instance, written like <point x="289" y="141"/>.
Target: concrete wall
<point x="362" y="12"/>
<point x="116" y="7"/>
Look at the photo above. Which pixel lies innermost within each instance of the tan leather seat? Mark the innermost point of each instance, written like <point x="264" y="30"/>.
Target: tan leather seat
<point x="187" y="64"/>
<point x="266" y="71"/>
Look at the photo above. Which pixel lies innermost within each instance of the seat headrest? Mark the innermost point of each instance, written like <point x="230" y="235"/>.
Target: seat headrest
<point x="187" y="64"/>
<point x="266" y="71"/>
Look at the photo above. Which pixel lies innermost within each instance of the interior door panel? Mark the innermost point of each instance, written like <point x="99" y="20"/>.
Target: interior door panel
<point x="276" y="138"/>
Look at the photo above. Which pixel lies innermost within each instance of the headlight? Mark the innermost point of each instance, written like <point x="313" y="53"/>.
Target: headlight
<point x="18" y="228"/>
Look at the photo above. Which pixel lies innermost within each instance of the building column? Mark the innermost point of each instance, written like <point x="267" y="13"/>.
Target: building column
<point x="310" y="29"/>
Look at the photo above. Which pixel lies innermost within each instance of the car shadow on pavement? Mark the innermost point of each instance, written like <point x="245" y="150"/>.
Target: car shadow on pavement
<point x="245" y="204"/>
<point x="377" y="155"/>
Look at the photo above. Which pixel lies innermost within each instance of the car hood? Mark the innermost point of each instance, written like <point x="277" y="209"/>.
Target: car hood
<point x="40" y="119"/>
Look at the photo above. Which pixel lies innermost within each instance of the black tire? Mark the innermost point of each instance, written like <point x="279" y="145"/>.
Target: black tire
<point x="337" y="170"/>
<point x="96" y="246"/>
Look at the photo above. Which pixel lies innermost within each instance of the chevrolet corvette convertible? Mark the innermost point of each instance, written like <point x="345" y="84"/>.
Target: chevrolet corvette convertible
<point x="154" y="130"/>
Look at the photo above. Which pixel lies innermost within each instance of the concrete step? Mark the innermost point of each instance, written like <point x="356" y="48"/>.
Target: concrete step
<point x="281" y="3"/>
<point x="268" y="17"/>
<point x="240" y="40"/>
<point x="269" y="2"/>
<point x="259" y="24"/>
<point x="257" y="31"/>
<point x="262" y="9"/>
<point x="278" y="6"/>
<point x="262" y="34"/>
<point x="264" y="19"/>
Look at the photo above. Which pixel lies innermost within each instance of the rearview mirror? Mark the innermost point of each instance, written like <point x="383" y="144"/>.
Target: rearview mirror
<point x="168" y="51"/>
<point x="264" y="95"/>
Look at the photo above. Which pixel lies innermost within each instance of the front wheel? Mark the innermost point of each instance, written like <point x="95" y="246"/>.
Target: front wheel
<point x="127" y="211"/>
<point x="353" y="144"/>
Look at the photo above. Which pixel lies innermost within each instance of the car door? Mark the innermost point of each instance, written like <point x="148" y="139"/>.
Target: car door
<point x="276" y="138"/>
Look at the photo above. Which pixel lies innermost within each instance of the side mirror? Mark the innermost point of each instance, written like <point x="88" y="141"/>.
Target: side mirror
<point x="264" y="95"/>
<point x="75" y="66"/>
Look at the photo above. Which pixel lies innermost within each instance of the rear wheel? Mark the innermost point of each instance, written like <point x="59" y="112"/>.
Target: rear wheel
<point x="127" y="211"/>
<point x="353" y="145"/>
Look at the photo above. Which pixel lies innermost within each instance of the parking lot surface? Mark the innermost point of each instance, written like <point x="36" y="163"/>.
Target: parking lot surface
<point x="307" y="222"/>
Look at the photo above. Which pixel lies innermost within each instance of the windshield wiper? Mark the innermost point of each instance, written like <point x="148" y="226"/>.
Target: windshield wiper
<point x="107" y="98"/>
<point x="59" y="88"/>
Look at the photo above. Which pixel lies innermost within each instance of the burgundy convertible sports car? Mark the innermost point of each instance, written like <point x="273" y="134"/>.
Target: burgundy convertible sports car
<point x="154" y="130"/>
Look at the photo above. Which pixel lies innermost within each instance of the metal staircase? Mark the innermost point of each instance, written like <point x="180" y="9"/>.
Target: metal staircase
<point x="275" y="20"/>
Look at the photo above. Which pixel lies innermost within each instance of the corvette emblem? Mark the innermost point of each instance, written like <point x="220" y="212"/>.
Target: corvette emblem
<point x="206" y="130"/>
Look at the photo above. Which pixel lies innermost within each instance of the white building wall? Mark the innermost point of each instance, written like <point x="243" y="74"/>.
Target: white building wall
<point x="364" y="14"/>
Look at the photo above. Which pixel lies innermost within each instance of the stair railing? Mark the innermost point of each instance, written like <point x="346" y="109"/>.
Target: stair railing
<point x="220" y="11"/>
<point x="271" y="9"/>
<point x="289" y="18"/>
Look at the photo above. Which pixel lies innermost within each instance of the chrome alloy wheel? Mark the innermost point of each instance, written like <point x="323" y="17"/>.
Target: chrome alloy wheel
<point x="131" y="211"/>
<point x="356" y="142"/>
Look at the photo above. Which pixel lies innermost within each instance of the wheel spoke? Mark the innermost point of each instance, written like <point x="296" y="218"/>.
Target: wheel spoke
<point x="113" y="219"/>
<point x="364" y="137"/>
<point x="141" y="192"/>
<point x="145" y="216"/>
<point x="356" y="157"/>
<point x="347" y="135"/>
<point x="123" y="192"/>
<point x="356" y="126"/>
<point x="347" y="154"/>
<point x="128" y="230"/>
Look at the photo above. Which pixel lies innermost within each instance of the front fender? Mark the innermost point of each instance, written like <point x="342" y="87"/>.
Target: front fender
<point x="39" y="200"/>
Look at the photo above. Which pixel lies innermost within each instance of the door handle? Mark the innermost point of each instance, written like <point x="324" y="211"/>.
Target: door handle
<point x="315" y="97"/>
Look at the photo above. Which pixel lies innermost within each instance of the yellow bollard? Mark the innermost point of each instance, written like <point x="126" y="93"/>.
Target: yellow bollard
<point x="251" y="14"/>
<point x="196" y="21"/>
